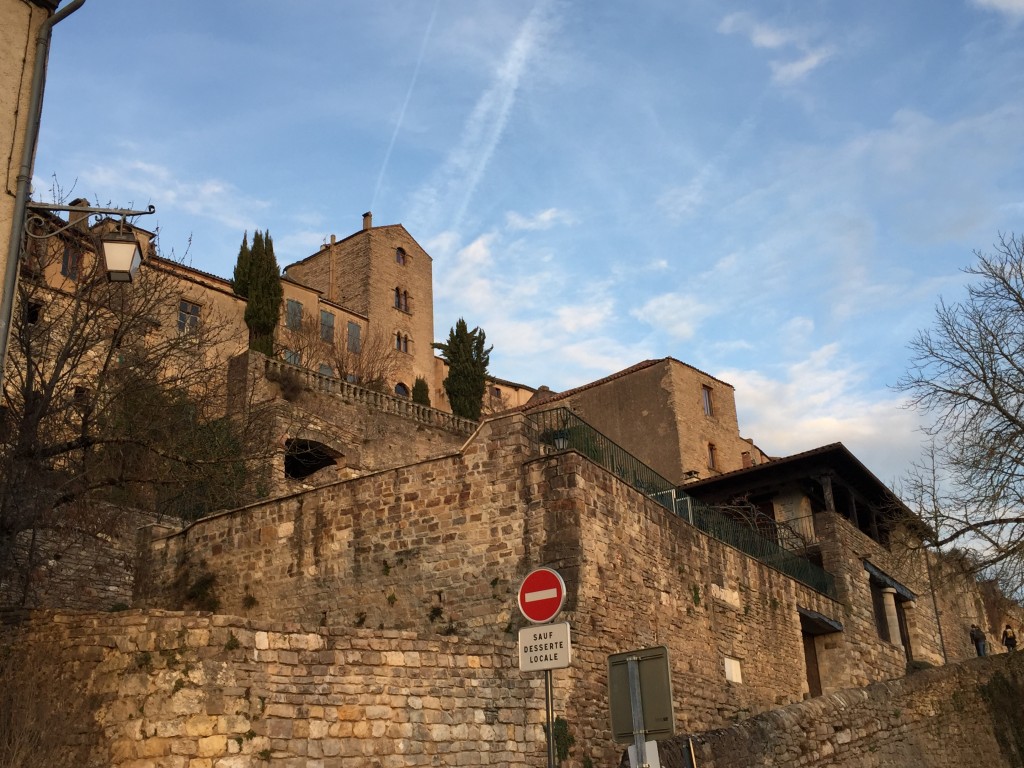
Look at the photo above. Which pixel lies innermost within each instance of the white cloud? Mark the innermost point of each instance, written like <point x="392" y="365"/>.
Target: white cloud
<point x="546" y="219"/>
<point x="584" y="317"/>
<point x="682" y="202"/>
<point x="142" y="182"/>
<point x="821" y="400"/>
<point x="769" y="37"/>
<point x="761" y="35"/>
<point x="448" y="194"/>
<point x="1014" y="8"/>
<point x="791" y="71"/>
<point x="677" y="314"/>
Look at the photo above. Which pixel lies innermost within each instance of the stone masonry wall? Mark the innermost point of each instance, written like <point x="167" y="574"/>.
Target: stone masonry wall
<point x="645" y="577"/>
<point x="961" y="714"/>
<point x="844" y="549"/>
<point x="440" y="546"/>
<point x="430" y="545"/>
<point x="180" y="690"/>
<point x="77" y="570"/>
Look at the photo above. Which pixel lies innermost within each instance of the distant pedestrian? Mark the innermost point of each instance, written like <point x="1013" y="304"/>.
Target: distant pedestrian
<point x="1009" y="638"/>
<point x="978" y="638"/>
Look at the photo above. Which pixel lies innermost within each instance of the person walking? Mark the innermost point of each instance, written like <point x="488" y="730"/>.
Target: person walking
<point x="978" y="638"/>
<point x="1009" y="639"/>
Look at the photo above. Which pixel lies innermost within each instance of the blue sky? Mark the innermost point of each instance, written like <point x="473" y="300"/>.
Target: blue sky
<point x="774" y="192"/>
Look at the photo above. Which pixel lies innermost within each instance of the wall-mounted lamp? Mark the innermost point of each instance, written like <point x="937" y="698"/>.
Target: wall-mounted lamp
<point x="122" y="256"/>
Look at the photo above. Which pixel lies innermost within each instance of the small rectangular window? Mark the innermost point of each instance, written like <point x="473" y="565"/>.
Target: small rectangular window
<point x="71" y="262"/>
<point x="354" y="343"/>
<point x="293" y="314"/>
<point x="709" y="403"/>
<point x="33" y="312"/>
<point x="291" y="357"/>
<point x="188" y="316"/>
<point x="712" y="456"/>
<point x="327" y="326"/>
<point x="326" y="370"/>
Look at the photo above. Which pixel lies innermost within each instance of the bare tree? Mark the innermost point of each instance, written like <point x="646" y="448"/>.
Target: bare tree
<point x="369" y="360"/>
<point x="112" y="399"/>
<point x="967" y="375"/>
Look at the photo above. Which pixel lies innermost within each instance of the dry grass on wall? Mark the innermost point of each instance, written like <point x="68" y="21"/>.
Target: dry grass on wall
<point x="42" y="714"/>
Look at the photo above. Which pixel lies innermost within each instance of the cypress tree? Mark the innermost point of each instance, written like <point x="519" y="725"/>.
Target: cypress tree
<point x="421" y="391"/>
<point x="467" y="360"/>
<point x="240" y="280"/>
<point x="263" y="309"/>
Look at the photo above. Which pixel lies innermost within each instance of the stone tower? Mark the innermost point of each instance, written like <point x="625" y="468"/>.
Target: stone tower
<point x="383" y="274"/>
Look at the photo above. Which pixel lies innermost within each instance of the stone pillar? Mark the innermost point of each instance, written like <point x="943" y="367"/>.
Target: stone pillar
<point x="891" y="619"/>
<point x="910" y="618"/>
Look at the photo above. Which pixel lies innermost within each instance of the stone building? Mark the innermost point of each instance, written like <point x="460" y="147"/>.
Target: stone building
<point x="389" y="550"/>
<point x="20" y="22"/>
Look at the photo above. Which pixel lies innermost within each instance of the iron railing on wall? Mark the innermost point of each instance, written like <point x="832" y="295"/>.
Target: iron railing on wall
<point x="559" y="429"/>
<point x="722" y="526"/>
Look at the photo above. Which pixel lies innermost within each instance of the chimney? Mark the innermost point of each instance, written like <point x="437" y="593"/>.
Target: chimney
<point x="330" y="270"/>
<point x="79" y="221"/>
<point x="367" y="221"/>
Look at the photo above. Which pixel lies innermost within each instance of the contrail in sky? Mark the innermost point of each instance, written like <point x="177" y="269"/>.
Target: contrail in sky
<point x="405" y="104"/>
<point x="451" y="191"/>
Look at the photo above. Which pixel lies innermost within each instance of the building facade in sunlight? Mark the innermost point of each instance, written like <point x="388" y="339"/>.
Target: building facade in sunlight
<point x="20" y="22"/>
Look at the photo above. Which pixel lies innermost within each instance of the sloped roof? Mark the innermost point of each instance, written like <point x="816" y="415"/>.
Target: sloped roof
<point x="834" y="457"/>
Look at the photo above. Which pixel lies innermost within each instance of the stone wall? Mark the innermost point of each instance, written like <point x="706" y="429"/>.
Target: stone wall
<point x="667" y="426"/>
<point x="80" y="570"/>
<point x="180" y="690"/>
<point x="367" y="430"/>
<point x="864" y="656"/>
<point x="961" y="714"/>
<point x="440" y="547"/>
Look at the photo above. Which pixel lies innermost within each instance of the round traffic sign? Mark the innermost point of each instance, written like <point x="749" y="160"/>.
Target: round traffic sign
<point x="541" y="595"/>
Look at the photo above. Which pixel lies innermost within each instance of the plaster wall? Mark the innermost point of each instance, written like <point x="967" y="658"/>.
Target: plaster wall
<point x="19" y="25"/>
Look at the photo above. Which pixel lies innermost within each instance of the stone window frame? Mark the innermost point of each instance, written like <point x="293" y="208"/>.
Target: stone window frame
<point x="326" y="328"/>
<point x="293" y="314"/>
<point x="189" y="315"/>
<point x="71" y="262"/>
<point x="708" y="400"/>
<point x="401" y="299"/>
<point x="353" y="338"/>
<point x="712" y="456"/>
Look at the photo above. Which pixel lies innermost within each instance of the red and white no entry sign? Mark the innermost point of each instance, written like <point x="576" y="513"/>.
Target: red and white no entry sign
<point x="541" y="595"/>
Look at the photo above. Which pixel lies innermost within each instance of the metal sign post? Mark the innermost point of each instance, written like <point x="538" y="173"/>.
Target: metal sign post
<point x="544" y="646"/>
<point x="640" y="695"/>
<point x="636" y="707"/>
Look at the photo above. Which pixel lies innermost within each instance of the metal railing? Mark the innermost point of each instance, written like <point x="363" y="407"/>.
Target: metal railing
<point x="739" y="534"/>
<point x="559" y="429"/>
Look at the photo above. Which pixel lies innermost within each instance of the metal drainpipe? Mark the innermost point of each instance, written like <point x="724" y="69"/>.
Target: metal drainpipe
<point x="28" y="153"/>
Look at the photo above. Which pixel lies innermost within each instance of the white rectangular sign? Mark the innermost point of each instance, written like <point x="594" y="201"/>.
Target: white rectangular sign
<point x="545" y="646"/>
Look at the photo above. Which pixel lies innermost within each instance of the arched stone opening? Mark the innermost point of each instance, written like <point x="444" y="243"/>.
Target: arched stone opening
<point x="303" y="458"/>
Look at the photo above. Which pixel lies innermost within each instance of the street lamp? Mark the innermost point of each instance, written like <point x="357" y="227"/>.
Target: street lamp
<point x="121" y="256"/>
<point x="120" y="250"/>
